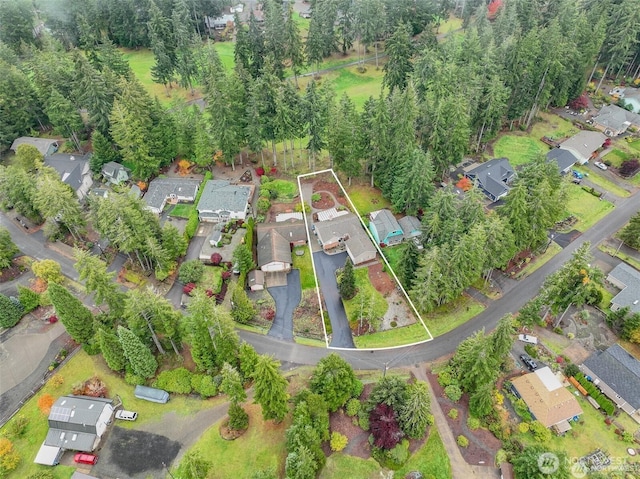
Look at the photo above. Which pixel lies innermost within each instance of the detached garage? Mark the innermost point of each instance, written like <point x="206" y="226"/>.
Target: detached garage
<point x="48" y="455"/>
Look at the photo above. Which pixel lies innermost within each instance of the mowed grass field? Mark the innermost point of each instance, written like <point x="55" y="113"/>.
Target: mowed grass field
<point x="586" y="207"/>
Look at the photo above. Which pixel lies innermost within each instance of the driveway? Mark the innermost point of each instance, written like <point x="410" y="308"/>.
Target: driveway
<point x="326" y="266"/>
<point x="287" y="299"/>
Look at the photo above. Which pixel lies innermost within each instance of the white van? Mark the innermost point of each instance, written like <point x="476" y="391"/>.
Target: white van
<point x="126" y="415"/>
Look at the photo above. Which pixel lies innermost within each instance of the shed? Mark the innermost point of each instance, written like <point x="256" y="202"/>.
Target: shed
<point x="255" y="280"/>
<point x="410" y="227"/>
<point x="48" y="455"/>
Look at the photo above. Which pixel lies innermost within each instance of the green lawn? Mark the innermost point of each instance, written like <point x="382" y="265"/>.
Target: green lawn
<point x="519" y="148"/>
<point x="78" y="369"/>
<point x="343" y="465"/>
<point x="616" y="157"/>
<point x="394" y="255"/>
<point x="586" y="207"/>
<point x="604" y="183"/>
<point x="430" y="459"/>
<point x="553" y="126"/>
<point x="226" y="53"/>
<point x="366" y="199"/>
<point x="212" y="278"/>
<point x="286" y="190"/>
<point x="635" y="145"/>
<point x="358" y="86"/>
<point x="365" y="295"/>
<point x="182" y="210"/>
<point x="261" y="447"/>
<point x="393" y="337"/>
<point x="449" y="316"/>
<point x="303" y="263"/>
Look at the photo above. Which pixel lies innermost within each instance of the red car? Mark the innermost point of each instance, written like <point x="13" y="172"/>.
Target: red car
<point x="83" y="458"/>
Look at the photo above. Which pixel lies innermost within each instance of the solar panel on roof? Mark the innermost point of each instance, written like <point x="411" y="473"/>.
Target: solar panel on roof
<point x="60" y="414"/>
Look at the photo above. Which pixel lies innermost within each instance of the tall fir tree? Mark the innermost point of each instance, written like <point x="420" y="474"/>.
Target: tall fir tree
<point x="76" y="318"/>
<point x="111" y="350"/>
<point x="142" y="362"/>
<point x="270" y="389"/>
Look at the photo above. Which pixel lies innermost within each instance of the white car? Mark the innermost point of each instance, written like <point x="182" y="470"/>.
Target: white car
<point x="600" y="165"/>
<point x="126" y="415"/>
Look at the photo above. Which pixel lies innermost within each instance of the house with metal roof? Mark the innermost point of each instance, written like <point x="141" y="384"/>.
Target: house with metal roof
<point x="45" y="146"/>
<point x="115" y="173"/>
<point x="565" y="159"/>
<point x="584" y="145"/>
<point x="617" y="374"/>
<point x="346" y="232"/>
<point x="73" y="170"/>
<point x="170" y="190"/>
<point x="493" y="177"/>
<point x="274" y="253"/>
<point x="76" y="423"/>
<point x="548" y="401"/>
<point x="221" y="201"/>
<point x="627" y="280"/>
<point x="614" y="121"/>
<point x="385" y="228"/>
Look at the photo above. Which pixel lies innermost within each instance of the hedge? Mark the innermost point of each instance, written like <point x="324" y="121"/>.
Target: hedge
<point x="192" y="223"/>
<point x="605" y="403"/>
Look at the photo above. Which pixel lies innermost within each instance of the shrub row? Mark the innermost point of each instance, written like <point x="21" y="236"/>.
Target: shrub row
<point x="605" y="403"/>
<point x="183" y="381"/>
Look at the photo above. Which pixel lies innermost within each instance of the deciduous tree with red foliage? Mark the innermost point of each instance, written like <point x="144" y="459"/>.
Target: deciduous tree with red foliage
<point x="492" y="9"/>
<point x="629" y="167"/>
<point x="216" y="259"/>
<point x="384" y="427"/>
<point x="579" y="103"/>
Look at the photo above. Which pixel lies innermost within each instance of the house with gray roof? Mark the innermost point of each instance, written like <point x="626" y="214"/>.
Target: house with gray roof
<point x="115" y="173"/>
<point x="627" y="280"/>
<point x="274" y="253"/>
<point x="221" y="201"/>
<point x="614" y="121"/>
<point x="45" y="146"/>
<point x="346" y="232"/>
<point x="385" y="228"/>
<point x="563" y="158"/>
<point x="73" y="170"/>
<point x="170" y="190"/>
<point x="617" y="374"/>
<point x="411" y="227"/>
<point x="294" y="231"/>
<point x="493" y="177"/>
<point x="76" y="423"/>
<point x="584" y="145"/>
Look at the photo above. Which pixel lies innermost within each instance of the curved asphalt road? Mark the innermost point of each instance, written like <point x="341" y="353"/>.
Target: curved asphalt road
<point x="512" y="300"/>
<point x="326" y="266"/>
<point x="287" y="299"/>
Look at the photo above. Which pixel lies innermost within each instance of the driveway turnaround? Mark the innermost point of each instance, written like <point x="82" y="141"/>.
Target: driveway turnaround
<point x="326" y="266"/>
<point x="287" y="299"/>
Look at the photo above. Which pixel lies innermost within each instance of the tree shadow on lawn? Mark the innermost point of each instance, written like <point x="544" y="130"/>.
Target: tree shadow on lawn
<point x="129" y="452"/>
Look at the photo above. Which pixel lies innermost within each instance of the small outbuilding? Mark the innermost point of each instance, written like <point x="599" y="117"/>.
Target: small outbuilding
<point x="385" y="228"/>
<point x="255" y="280"/>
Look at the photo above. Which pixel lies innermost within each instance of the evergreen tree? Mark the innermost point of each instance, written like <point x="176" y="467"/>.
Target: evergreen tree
<point x="193" y="466"/>
<point x="238" y="417"/>
<point x="103" y="152"/>
<point x="414" y="416"/>
<point x="300" y="464"/>
<point x="398" y="66"/>
<point x="76" y="318"/>
<point x="270" y="389"/>
<point x="413" y="185"/>
<point x="28" y="158"/>
<point x="64" y="117"/>
<point x="334" y="380"/>
<point x="409" y="263"/>
<point x="111" y="350"/>
<point x="162" y="46"/>
<point x="317" y="104"/>
<point x="10" y="312"/>
<point x="502" y="340"/>
<point x="57" y="202"/>
<point x="140" y="358"/>
<point x="7" y="249"/>
<point x="248" y="358"/>
<point x="185" y="45"/>
<point x="243" y="258"/>
<point x="242" y="309"/>
<point x="231" y="384"/>
<point x="18" y="189"/>
<point x="630" y="234"/>
<point x="343" y="137"/>
<point x="274" y="40"/>
<point x="196" y="323"/>
<point x="92" y="93"/>
<point x="17" y="20"/>
<point x="93" y="271"/>
<point x="293" y="46"/>
<point x="347" y="281"/>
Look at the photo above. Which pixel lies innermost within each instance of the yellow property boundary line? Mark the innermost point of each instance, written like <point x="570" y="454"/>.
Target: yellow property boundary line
<point x="313" y="265"/>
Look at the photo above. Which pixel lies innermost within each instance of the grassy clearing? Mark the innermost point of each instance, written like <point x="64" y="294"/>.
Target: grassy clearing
<point x="226" y="53"/>
<point x="285" y="190"/>
<point x="182" y="210"/>
<point x="586" y="207"/>
<point x="78" y="369"/>
<point x="303" y="263"/>
<point x="519" y="148"/>
<point x="589" y="434"/>
<point x="366" y="199"/>
<point x="212" y="278"/>
<point x="553" y="126"/>
<point x="261" y="447"/>
<point x="635" y="145"/>
<point x="616" y="157"/>
<point x="394" y="255"/>
<point x="431" y="459"/>
<point x="141" y="61"/>
<point x="449" y="316"/>
<point x="392" y="337"/>
<point x="452" y="24"/>
<point x="604" y="183"/>
<point x="367" y="295"/>
<point x="539" y="260"/>
<point x="343" y="465"/>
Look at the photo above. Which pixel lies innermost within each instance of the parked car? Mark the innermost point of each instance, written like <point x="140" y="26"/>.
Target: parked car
<point x="529" y="362"/>
<point x="600" y="165"/>
<point x="126" y="415"/>
<point x="84" y="458"/>
<point x="577" y="174"/>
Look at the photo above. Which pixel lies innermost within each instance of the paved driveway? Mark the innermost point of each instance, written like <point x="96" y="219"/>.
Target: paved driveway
<point x="326" y="266"/>
<point x="287" y="299"/>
